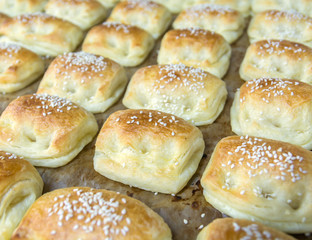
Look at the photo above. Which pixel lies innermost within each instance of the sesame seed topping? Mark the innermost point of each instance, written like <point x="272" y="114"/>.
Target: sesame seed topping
<point x="118" y="27"/>
<point x="92" y="211"/>
<point x="260" y="158"/>
<point x="81" y="62"/>
<point x="47" y="103"/>
<point x="185" y="221"/>
<point x="271" y="87"/>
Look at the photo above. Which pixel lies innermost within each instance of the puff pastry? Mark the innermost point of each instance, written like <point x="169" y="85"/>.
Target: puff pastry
<point x="46" y="130"/>
<point x="278" y="59"/>
<point x="18" y="7"/>
<point x="175" y="6"/>
<point x="108" y="3"/>
<point x="84" y="14"/>
<point x="86" y="213"/>
<point x="41" y="33"/>
<point x="263" y="180"/>
<point x="19" y="67"/>
<point x="190" y="93"/>
<point x="242" y="6"/>
<point x="287" y="25"/>
<point x="92" y="81"/>
<point x="302" y="6"/>
<point x="274" y="108"/>
<point x="128" y="45"/>
<point x="236" y="229"/>
<point x="148" y="149"/>
<point x="196" y="48"/>
<point x="20" y="185"/>
<point x="221" y="19"/>
<point x="154" y="18"/>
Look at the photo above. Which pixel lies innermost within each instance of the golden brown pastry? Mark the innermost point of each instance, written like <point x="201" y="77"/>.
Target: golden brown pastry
<point x="262" y="180"/>
<point x="128" y="45"/>
<point x="236" y="229"/>
<point x="18" y="7"/>
<point x="86" y="213"/>
<point x="190" y="93"/>
<point x="221" y="19"/>
<point x="287" y="25"/>
<point x="18" y="67"/>
<point x="196" y="48"/>
<point x="242" y="6"/>
<point x="41" y="33"/>
<point x="84" y="14"/>
<point x="278" y="59"/>
<point x="274" y="108"/>
<point x="175" y="6"/>
<point x="92" y="81"/>
<point x="154" y="18"/>
<point x="20" y="185"/>
<point x="3" y="18"/>
<point x="108" y="3"/>
<point x="302" y="6"/>
<point x="148" y="149"/>
<point x="46" y="130"/>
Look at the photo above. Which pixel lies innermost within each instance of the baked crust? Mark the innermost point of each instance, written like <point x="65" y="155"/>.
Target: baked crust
<point x="85" y="213"/>
<point x="19" y="67"/>
<point x="148" y="149"/>
<point x="287" y="25"/>
<point x="274" y="108"/>
<point x="84" y="14"/>
<point x="221" y="19"/>
<point x="46" y="130"/>
<point x="196" y="48"/>
<point x="20" y="185"/>
<point x="154" y="18"/>
<point x="236" y="229"/>
<point x="18" y="7"/>
<point x="263" y="180"/>
<point x="92" y="81"/>
<point x="242" y="6"/>
<point x="302" y="6"/>
<point x="125" y="44"/>
<point x="277" y="59"/>
<point x="41" y="33"/>
<point x="190" y="93"/>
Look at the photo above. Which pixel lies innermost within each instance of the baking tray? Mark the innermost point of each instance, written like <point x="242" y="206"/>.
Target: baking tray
<point x="188" y="204"/>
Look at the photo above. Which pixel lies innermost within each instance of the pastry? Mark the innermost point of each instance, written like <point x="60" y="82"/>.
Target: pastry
<point x="274" y="108"/>
<point x="86" y="213"/>
<point x="154" y="18"/>
<point x="84" y="14"/>
<point x="277" y="59"/>
<point x="19" y="67"/>
<point x="242" y="6"/>
<point x="197" y="48"/>
<point x="302" y="6"/>
<point x="108" y="3"/>
<point x="20" y="185"/>
<point x="221" y="19"/>
<point x="18" y="7"/>
<point x="148" y="149"/>
<point x="261" y="180"/>
<point x="287" y="25"/>
<point x="92" y="81"/>
<point x="128" y="45"/>
<point x="236" y="229"/>
<point x="46" y="130"/>
<point x="41" y="33"/>
<point x="190" y="93"/>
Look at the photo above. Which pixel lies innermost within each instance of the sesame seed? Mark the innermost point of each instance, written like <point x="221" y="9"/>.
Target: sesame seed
<point x="185" y="221"/>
